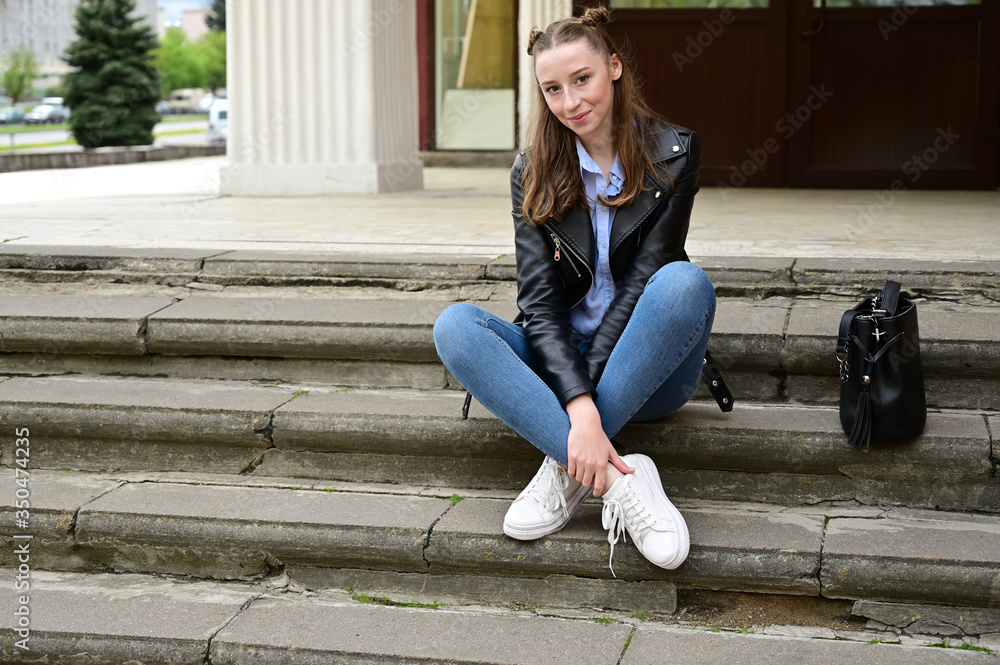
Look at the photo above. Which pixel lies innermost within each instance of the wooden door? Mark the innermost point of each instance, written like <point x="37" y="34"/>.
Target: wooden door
<point x="787" y="93"/>
<point x="910" y="95"/>
<point x="721" y="72"/>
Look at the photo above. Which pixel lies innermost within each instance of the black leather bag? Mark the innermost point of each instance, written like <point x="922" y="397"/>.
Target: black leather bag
<point x="881" y="378"/>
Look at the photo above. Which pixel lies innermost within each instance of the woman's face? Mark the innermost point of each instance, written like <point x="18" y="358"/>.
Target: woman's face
<point x="576" y="84"/>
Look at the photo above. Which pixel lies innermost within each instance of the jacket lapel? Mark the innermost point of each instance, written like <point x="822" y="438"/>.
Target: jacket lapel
<point x="668" y="146"/>
<point x="577" y="230"/>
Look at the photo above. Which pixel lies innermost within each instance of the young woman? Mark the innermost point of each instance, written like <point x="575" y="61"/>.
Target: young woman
<point x="614" y="320"/>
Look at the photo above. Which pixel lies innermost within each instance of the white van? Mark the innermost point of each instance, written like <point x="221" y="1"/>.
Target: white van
<point x="218" y="121"/>
<point x="185" y="100"/>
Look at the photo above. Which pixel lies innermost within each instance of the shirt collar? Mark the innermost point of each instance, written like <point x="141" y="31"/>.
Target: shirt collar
<point x="588" y="164"/>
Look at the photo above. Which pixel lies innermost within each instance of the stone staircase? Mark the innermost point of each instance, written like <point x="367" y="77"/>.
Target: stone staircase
<point x="281" y="421"/>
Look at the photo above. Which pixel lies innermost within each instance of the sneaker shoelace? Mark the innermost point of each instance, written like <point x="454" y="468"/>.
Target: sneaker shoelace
<point x="630" y="509"/>
<point x="548" y="489"/>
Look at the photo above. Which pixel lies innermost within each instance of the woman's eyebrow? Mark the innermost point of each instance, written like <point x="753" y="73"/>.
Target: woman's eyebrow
<point x="573" y="75"/>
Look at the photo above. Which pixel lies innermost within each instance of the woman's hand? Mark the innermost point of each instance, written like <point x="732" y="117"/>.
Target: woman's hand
<point x="589" y="449"/>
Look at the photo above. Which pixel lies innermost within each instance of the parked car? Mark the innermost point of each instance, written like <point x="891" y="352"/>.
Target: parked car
<point x="218" y="121"/>
<point x="55" y="101"/>
<point x="185" y="100"/>
<point x="47" y="113"/>
<point x="205" y="103"/>
<point x="163" y="108"/>
<point x="11" y="115"/>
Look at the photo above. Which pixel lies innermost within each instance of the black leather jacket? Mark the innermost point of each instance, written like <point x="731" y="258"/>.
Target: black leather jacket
<point x="644" y="237"/>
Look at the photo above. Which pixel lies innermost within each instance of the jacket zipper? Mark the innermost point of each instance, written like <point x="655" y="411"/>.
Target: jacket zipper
<point x="570" y="255"/>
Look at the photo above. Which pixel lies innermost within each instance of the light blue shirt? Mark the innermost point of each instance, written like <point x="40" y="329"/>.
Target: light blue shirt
<point x="587" y="315"/>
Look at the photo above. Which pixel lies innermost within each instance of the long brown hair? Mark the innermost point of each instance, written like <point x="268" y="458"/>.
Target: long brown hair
<point x="551" y="179"/>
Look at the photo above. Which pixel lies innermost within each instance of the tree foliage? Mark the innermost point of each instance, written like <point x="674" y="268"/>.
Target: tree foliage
<point x="212" y="50"/>
<point x="180" y="64"/>
<point x="114" y="90"/>
<point x="183" y="64"/>
<point x="216" y="18"/>
<point x="19" y="70"/>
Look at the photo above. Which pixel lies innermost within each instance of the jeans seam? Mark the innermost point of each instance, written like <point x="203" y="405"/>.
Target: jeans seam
<point x="509" y="350"/>
<point x="683" y="356"/>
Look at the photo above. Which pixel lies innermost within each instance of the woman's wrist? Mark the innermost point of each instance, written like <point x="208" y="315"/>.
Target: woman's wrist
<point x="581" y="409"/>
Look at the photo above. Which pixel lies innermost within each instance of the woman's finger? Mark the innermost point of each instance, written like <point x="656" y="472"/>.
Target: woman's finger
<point x="619" y="463"/>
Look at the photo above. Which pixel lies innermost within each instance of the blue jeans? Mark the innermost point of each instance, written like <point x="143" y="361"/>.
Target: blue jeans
<point x="652" y="371"/>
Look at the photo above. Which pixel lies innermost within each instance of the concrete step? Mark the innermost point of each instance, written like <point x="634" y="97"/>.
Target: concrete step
<point x="398" y="540"/>
<point x="742" y="276"/>
<point x="772" y="350"/>
<point x="128" y="618"/>
<point x="790" y="455"/>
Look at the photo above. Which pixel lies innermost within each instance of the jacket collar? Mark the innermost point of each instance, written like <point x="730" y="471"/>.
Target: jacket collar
<point x="576" y="228"/>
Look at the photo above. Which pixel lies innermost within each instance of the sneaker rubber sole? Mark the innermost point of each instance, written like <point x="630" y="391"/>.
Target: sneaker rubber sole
<point x="537" y="532"/>
<point x="637" y="461"/>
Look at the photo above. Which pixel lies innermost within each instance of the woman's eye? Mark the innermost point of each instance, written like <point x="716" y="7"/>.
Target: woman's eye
<point x="551" y="90"/>
<point x="583" y="79"/>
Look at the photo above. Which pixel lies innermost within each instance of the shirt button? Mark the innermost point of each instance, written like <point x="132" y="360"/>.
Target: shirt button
<point x="676" y="148"/>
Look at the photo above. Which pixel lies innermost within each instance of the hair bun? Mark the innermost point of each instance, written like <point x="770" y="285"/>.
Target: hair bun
<point x="533" y="37"/>
<point x="595" y="15"/>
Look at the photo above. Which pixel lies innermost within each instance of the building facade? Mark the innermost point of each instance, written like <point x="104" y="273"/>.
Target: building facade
<point x="46" y="27"/>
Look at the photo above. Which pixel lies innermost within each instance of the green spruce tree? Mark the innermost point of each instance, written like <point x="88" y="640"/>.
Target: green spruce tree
<point x="216" y="18"/>
<point x="114" y="90"/>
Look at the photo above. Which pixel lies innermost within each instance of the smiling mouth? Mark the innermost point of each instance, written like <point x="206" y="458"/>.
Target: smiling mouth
<point x="580" y="118"/>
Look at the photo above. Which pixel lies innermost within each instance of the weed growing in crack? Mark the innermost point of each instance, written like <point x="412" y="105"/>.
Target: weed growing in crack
<point x="368" y="599"/>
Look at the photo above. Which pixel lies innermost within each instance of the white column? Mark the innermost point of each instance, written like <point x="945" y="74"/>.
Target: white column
<point x="532" y="13"/>
<point x="323" y="97"/>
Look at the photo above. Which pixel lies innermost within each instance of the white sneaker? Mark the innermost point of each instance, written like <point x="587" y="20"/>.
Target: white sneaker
<point x="636" y="503"/>
<point x="546" y="504"/>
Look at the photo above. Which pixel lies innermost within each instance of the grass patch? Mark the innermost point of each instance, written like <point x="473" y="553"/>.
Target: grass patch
<point x="27" y="129"/>
<point x="184" y="118"/>
<point x="455" y="499"/>
<point x="174" y="132"/>
<point x="745" y="630"/>
<point x="300" y="392"/>
<point x="605" y="621"/>
<point x="639" y="613"/>
<point x="945" y="643"/>
<point x="36" y="145"/>
<point x="368" y="599"/>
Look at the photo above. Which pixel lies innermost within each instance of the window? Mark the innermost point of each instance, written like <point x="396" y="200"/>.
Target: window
<point x="474" y="74"/>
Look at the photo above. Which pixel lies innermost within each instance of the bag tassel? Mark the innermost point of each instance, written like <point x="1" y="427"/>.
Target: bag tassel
<point x="862" y="430"/>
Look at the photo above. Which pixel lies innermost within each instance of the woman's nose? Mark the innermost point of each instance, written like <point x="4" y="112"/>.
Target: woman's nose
<point x="570" y="101"/>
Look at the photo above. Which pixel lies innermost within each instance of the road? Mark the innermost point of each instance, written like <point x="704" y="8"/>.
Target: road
<point x="21" y="138"/>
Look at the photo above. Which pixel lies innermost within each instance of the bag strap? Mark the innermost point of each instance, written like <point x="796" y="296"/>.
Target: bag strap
<point x="712" y="377"/>
<point x="889" y="298"/>
<point x="845" y="329"/>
